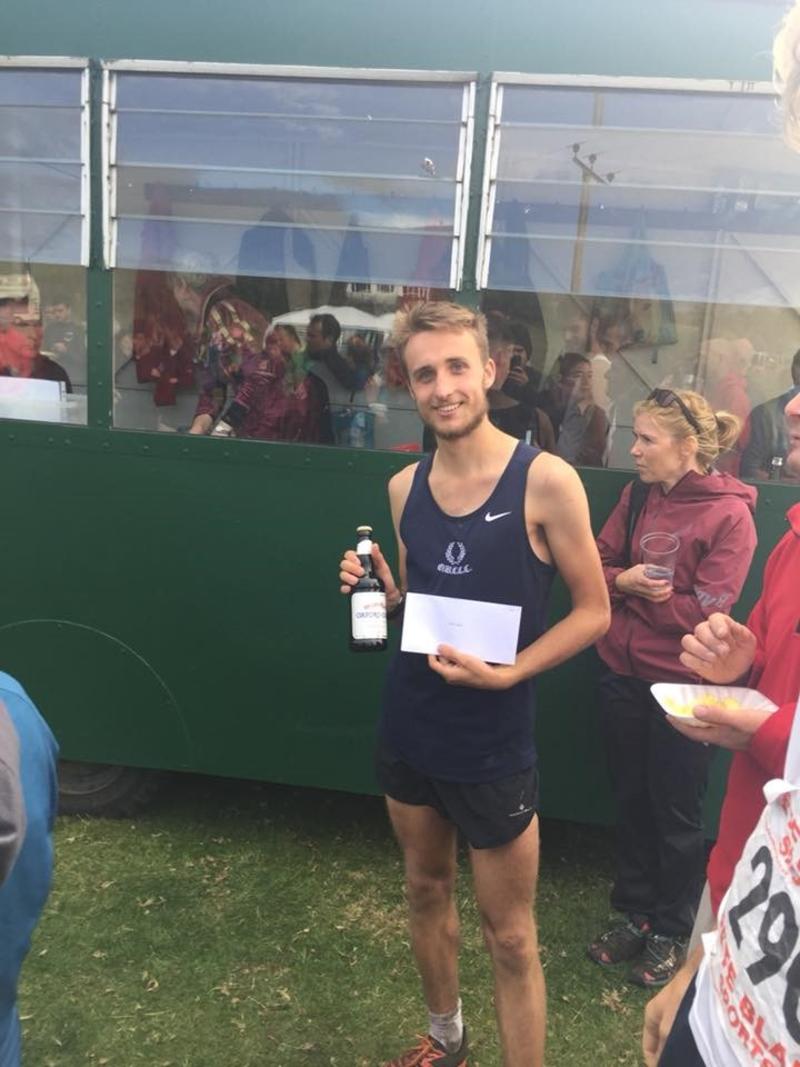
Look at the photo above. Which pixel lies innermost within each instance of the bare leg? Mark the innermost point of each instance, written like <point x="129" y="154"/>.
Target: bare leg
<point x="505" y="887"/>
<point x="429" y="851"/>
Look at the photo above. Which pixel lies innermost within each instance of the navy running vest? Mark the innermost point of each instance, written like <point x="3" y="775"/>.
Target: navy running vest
<point x="454" y="732"/>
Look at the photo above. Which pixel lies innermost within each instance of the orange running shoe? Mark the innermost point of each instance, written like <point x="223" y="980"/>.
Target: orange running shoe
<point x="430" y="1053"/>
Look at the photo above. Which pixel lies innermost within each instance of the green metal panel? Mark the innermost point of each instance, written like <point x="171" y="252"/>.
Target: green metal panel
<point x="682" y="38"/>
<point x="172" y="601"/>
<point x="181" y="607"/>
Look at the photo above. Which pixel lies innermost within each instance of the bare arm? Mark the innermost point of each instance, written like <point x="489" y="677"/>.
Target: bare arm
<point x="560" y="504"/>
<point x="659" y="1015"/>
<point x="556" y="502"/>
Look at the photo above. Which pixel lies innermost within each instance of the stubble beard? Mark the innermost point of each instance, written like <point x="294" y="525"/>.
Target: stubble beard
<point x="462" y="431"/>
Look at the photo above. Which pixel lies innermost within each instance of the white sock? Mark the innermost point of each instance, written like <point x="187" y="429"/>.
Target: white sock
<point x="447" y="1027"/>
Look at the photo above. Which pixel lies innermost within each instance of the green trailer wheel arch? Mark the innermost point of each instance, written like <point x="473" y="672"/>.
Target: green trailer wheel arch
<point x="103" y="700"/>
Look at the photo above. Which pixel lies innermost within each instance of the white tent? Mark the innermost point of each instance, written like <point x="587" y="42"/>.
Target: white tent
<point x="349" y="318"/>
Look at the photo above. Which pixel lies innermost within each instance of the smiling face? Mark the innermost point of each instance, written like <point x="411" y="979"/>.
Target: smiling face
<point x="792" y="415"/>
<point x="448" y="380"/>
<point x="661" y="457"/>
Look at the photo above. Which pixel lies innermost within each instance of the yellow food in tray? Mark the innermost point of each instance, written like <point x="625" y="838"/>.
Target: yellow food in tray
<point x="708" y="700"/>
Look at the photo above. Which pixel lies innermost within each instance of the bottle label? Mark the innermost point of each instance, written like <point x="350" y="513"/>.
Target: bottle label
<point x="368" y="616"/>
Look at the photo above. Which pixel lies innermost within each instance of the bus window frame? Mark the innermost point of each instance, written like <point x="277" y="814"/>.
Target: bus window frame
<point x="499" y="79"/>
<point x="53" y="64"/>
<point x="468" y="80"/>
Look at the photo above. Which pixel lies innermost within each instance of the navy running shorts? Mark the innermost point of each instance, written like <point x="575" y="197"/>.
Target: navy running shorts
<point x="488" y="814"/>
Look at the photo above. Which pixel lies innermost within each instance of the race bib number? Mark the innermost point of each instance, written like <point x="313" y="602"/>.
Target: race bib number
<point x="754" y="966"/>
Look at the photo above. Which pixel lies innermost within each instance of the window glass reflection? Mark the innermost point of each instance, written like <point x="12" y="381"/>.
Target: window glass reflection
<point x="349" y="181"/>
<point x="41" y="208"/>
<point x="647" y="238"/>
<point x="682" y="196"/>
<point x="42" y="344"/>
<point x="597" y="357"/>
<point x="271" y="359"/>
<point x="372" y="100"/>
<point x="39" y="87"/>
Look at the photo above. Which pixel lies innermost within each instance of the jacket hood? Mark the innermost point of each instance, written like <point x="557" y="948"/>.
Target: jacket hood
<point x="793" y="515"/>
<point x="694" y="486"/>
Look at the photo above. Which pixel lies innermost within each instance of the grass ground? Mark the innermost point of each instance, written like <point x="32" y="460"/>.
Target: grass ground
<point x="243" y="924"/>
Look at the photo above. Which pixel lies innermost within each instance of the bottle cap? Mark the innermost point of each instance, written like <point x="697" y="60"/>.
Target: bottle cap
<point x="364" y="530"/>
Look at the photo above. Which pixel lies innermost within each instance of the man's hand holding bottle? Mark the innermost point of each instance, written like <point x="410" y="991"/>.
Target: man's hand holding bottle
<point x="350" y="570"/>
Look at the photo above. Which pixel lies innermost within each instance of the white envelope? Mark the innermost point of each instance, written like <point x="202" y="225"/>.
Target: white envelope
<point x="489" y="631"/>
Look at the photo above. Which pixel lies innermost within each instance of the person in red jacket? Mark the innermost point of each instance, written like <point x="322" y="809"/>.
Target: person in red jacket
<point x="764" y="654"/>
<point x="659" y="777"/>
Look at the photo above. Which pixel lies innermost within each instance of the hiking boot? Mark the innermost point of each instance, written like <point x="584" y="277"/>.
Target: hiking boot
<point x="430" y="1053"/>
<point x="620" y="944"/>
<point x="662" y="957"/>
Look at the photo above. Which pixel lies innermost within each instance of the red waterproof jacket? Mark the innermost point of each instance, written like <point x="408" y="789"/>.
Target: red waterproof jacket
<point x="712" y="514"/>
<point x="775" y="620"/>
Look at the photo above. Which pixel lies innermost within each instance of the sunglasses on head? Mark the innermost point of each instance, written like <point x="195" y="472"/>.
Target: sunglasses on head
<point x="666" y="398"/>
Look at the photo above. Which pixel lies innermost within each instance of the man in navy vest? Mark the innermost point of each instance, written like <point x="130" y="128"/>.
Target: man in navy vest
<point x="486" y="518"/>
<point x="28" y="799"/>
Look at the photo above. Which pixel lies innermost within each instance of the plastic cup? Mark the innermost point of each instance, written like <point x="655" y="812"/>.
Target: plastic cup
<point x="659" y="553"/>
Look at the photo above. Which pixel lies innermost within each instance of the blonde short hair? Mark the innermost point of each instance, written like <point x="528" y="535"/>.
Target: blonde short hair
<point x="434" y="316"/>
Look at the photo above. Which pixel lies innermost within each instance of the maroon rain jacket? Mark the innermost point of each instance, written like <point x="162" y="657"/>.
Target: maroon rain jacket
<point x="712" y="514"/>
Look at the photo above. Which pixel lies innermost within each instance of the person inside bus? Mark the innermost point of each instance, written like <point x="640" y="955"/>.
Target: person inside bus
<point x="397" y="422"/>
<point x="64" y="339"/>
<point x="515" y="417"/>
<point x="286" y="401"/>
<point x="16" y="350"/>
<point x="524" y="380"/>
<point x="343" y="380"/>
<point x="726" y="362"/>
<point x="659" y="777"/>
<point x="764" y="456"/>
<point x="225" y="336"/>
<point x="325" y="360"/>
<point x="608" y="334"/>
<point x="580" y="425"/>
<point x="21" y="353"/>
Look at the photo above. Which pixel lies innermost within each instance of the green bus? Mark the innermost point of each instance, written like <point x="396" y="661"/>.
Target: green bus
<point x="608" y="178"/>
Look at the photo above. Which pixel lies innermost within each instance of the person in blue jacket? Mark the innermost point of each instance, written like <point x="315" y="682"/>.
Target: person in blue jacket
<point x="28" y="802"/>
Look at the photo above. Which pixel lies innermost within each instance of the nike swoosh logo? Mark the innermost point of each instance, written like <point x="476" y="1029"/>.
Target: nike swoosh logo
<point x="500" y="515"/>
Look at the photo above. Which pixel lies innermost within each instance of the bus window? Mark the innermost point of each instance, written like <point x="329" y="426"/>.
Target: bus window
<point x="43" y="157"/>
<point x="265" y="230"/>
<point x="654" y="242"/>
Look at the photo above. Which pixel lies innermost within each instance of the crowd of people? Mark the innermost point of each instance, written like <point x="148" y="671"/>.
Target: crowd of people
<point x="332" y="384"/>
<point x="455" y="751"/>
<point x="192" y="335"/>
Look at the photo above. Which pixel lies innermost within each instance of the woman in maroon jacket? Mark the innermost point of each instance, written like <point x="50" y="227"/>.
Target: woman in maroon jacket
<point x="658" y="776"/>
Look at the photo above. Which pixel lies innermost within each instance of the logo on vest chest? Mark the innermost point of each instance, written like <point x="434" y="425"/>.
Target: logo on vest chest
<point x="455" y="554"/>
